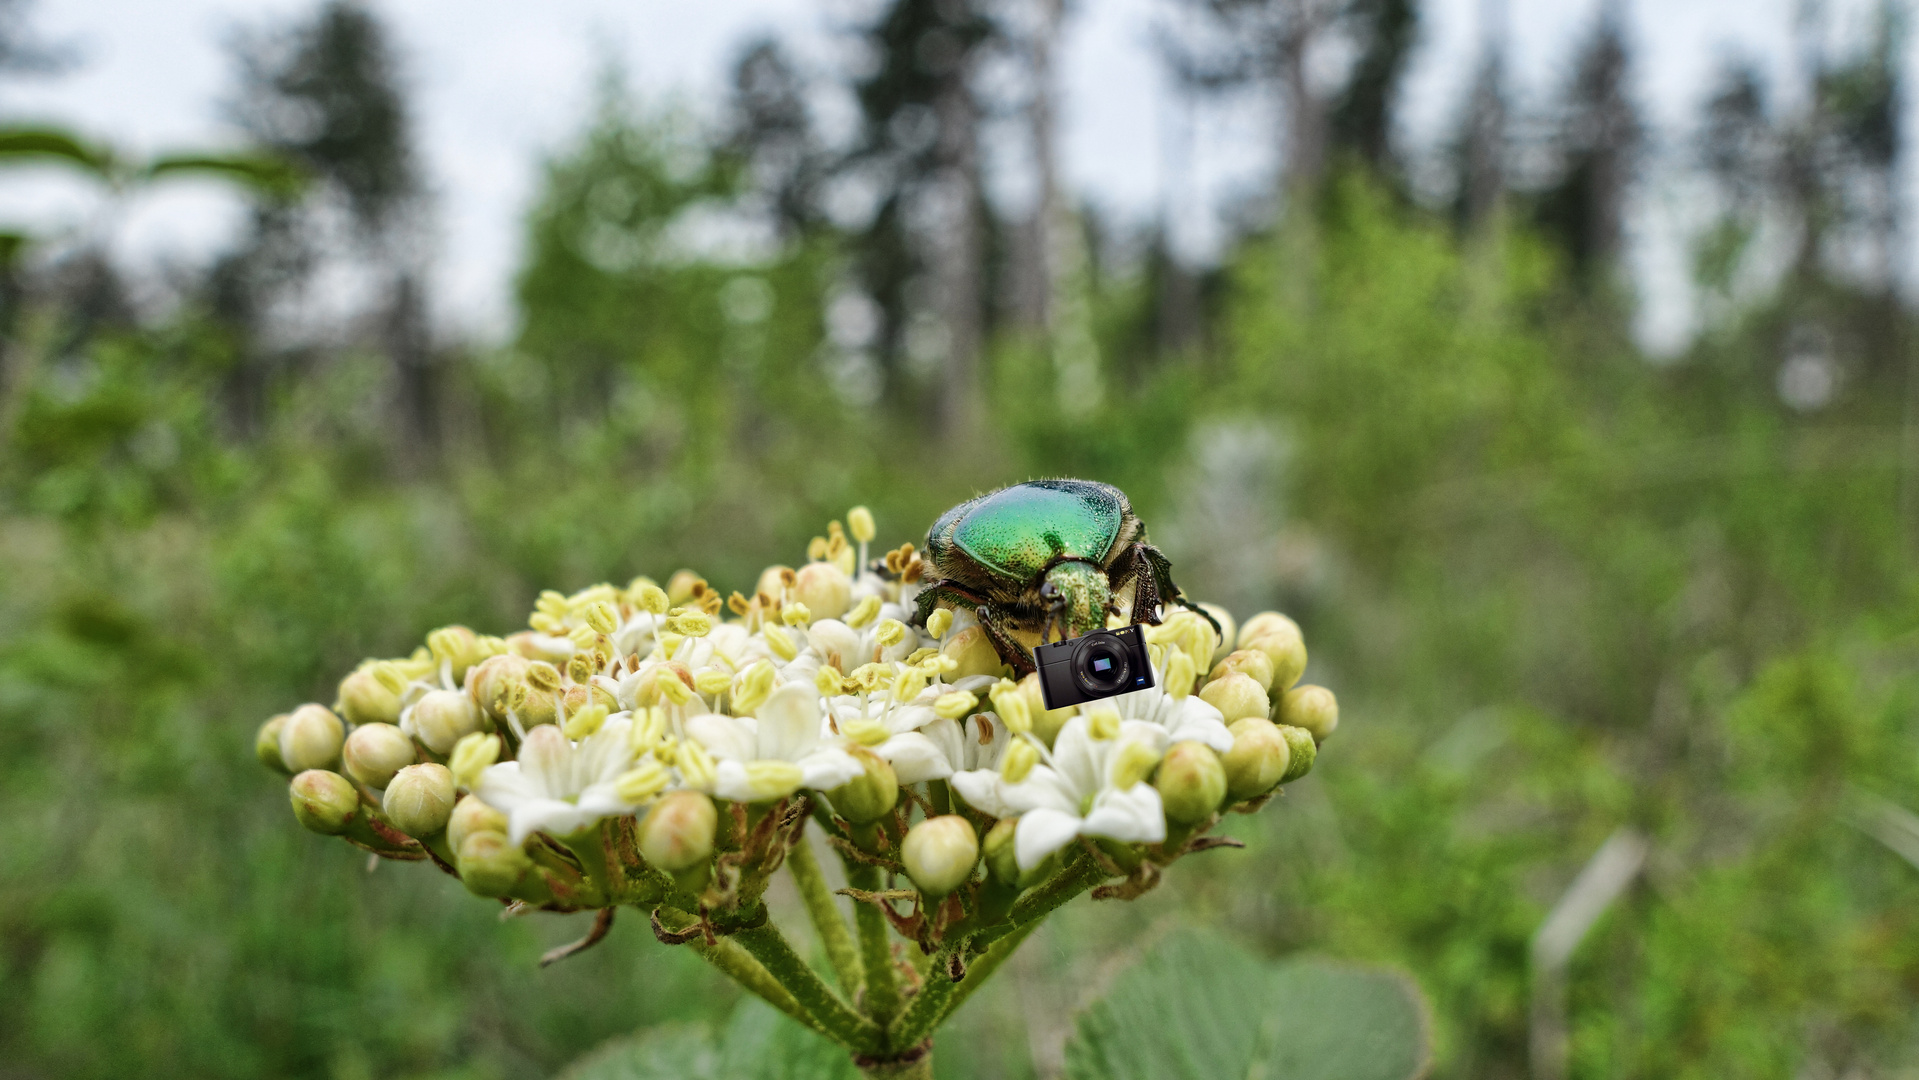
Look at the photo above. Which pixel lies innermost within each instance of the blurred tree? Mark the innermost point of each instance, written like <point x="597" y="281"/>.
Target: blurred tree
<point x="1481" y="148"/>
<point x="1598" y="139"/>
<point x="1267" y="42"/>
<point x="327" y="93"/>
<point x="1361" y="120"/>
<point x="772" y="130"/>
<point x="923" y="257"/>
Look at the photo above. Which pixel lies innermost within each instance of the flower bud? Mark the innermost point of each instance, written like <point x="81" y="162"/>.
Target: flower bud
<point x="680" y="587"/>
<point x="581" y="697"/>
<point x="677" y="834"/>
<point x="420" y="799"/>
<point x="1236" y="696"/>
<point x="1249" y="662"/>
<point x="365" y="698"/>
<point x="939" y="854"/>
<point x="998" y="850"/>
<point x="442" y="718"/>
<point x="1279" y="638"/>
<point x="772" y="581"/>
<point x="939" y="622"/>
<point x="541" y="703"/>
<point x="1299" y="742"/>
<point x="825" y="590"/>
<point x="458" y="647"/>
<point x="311" y="738"/>
<point x="266" y="744"/>
<point x="870" y="795"/>
<point x="859" y="522"/>
<point x="1046" y="722"/>
<point x="1227" y="632"/>
<point x="473" y="755"/>
<point x="323" y="801"/>
<point x="471" y="815"/>
<point x="1191" y="782"/>
<point x="492" y="681"/>
<point x="973" y="651"/>
<point x="1311" y="707"/>
<point x="374" y="752"/>
<point x="1258" y="759"/>
<point x="490" y="864"/>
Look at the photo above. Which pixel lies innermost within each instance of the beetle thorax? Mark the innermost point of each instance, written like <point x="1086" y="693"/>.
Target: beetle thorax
<point x="1080" y="595"/>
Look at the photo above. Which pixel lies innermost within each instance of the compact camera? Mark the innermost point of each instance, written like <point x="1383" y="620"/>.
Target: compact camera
<point x="1093" y="666"/>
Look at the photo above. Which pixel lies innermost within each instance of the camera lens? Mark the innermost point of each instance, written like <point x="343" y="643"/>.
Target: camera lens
<point x="1100" y="665"/>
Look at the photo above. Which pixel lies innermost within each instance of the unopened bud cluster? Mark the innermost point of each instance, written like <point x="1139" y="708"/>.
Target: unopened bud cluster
<point x="663" y="746"/>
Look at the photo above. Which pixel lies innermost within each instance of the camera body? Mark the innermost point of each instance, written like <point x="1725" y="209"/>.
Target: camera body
<point x="1098" y="665"/>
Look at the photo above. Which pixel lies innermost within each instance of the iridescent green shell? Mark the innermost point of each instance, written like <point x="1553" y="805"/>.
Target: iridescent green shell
<point x="1020" y="530"/>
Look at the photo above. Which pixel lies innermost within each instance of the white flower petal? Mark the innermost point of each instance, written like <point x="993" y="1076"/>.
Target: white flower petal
<point x="828" y="767"/>
<point x="505" y="788"/>
<point x="1042" y="789"/>
<point x="1077" y="757"/>
<point x="985" y="741"/>
<point x="915" y="757"/>
<point x="1134" y="816"/>
<point x="729" y="782"/>
<point x="550" y="816"/>
<point x="723" y="736"/>
<point x="1040" y="833"/>
<point x="546" y="759"/>
<point x="981" y="790"/>
<point x="790" y="722"/>
<point x="1194" y="720"/>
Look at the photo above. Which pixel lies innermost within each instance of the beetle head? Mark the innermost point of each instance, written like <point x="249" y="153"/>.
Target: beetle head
<point x="1076" y="597"/>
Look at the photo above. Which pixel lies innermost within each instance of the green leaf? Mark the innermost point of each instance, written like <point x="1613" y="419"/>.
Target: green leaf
<point x="668" y="1052"/>
<point x="266" y="173"/>
<point x="47" y="142"/>
<point x="759" y="1043"/>
<point x="1199" y="1007"/>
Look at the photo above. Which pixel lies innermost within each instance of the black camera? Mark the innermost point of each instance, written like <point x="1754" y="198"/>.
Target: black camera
<point x="1093" y="666"/>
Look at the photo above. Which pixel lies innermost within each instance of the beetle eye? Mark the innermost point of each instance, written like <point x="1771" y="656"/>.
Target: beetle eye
<point x="1049" y="591"/>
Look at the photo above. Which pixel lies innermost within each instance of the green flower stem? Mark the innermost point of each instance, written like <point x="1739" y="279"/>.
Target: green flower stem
<point x="836" y="1018"/>
<point x="924" y="1011"/>
<point x="735" y="963"/>
<point x="983" y="967"/>
<point x="588" y="847"/>
<point x="826" y="916"/>
<point x="876" y="949"/>
<point x="919" y="1068"/>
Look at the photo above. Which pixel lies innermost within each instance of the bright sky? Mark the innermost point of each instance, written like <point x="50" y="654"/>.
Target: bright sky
<point x="499" y="85"/>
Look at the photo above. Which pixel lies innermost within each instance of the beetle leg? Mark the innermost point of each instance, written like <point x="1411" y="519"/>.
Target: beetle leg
<point x="1010" y="651"/>
<point x="932" y="594"/>
<point x="1146" y="591"/>
<point x="1160" y="572"/>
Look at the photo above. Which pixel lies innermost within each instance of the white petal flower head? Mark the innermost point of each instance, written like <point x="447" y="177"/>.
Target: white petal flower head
<point x="1182" y="718"/>
<point x="1082" y="790"/>
<point x="557" y="786"/>
<point x="771" y="755"/>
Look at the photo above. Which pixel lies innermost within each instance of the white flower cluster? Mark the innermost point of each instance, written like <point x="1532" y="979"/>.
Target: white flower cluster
<point x="615" y="698"/>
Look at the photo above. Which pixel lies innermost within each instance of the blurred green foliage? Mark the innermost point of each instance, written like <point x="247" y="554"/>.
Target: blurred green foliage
<point x="1559" y="588"/>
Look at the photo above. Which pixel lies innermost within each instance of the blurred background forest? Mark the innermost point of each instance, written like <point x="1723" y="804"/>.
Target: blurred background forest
<point x="1563" y="587"/>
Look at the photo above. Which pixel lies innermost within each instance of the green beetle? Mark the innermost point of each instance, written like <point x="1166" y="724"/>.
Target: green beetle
<point x="1045" y="556"/>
